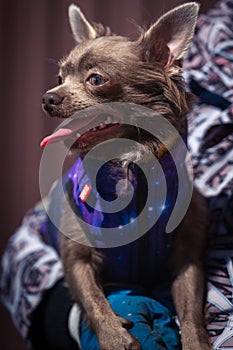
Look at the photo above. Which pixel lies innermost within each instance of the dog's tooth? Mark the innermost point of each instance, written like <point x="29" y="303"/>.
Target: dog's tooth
<point x="108" y="120"/>
<point x="94" y="129"/>
<point x="78" y="135"/>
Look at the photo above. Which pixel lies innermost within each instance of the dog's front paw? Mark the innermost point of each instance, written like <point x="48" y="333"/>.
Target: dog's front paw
<point x="114" y="336"/>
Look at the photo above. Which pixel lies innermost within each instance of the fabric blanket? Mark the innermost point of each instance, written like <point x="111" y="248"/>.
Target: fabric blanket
<point x="209" y="71"/>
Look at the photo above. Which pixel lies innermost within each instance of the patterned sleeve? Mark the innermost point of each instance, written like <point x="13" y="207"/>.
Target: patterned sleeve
<point x="209" y="72"/>
<point x="29" y="268"/>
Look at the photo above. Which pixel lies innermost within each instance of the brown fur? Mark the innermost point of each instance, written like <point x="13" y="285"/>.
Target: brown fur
<point x="152" y="79"/>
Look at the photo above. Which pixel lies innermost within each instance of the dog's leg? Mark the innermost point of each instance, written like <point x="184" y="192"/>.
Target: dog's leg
<point x="189" y="283"/>
<point x="82" y="265"/>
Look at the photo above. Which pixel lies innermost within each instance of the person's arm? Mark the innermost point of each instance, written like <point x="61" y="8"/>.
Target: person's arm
<point x="29" y="268"/>
<point x="32" y="286"/>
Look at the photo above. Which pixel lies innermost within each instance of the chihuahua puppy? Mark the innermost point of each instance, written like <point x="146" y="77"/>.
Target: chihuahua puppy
<point x="108" y="68"/>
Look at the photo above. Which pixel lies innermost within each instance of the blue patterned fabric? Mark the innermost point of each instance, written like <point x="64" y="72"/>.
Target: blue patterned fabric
<point x="153" y="324"/>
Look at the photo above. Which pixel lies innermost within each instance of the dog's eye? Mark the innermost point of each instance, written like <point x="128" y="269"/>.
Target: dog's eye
<point x="59" y="79"/>
<point x="96" y="80"/>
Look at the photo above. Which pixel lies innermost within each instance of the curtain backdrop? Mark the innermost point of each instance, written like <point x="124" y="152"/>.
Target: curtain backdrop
<point x="34" y="35"/>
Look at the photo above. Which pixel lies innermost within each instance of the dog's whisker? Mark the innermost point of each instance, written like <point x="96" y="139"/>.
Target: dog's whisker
<point x="53" y="61"/>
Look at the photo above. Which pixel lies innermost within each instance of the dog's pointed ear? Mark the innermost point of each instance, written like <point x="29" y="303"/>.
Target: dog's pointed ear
<point x="168" y="39"/>
<point x="81" y="28"/>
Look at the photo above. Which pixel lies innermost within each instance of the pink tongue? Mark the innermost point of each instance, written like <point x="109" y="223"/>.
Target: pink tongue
<point x="56" y="136"/>
<point x="70" y="127"/>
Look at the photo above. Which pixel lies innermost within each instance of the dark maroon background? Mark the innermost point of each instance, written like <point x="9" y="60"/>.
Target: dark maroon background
<point x="34" y="35"/>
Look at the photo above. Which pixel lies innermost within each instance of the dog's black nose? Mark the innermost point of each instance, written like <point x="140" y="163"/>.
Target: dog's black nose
<point x="51" y="99"/>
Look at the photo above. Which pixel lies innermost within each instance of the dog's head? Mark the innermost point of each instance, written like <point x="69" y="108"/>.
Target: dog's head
<point x="105" y="68"/>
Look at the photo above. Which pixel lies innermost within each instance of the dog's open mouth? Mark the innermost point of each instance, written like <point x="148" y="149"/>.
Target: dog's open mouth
<point x="76" y="129"/>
